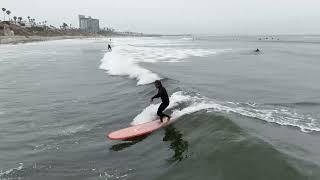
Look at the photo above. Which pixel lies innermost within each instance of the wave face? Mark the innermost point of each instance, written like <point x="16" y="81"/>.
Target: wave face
<point x="126" y="55"/>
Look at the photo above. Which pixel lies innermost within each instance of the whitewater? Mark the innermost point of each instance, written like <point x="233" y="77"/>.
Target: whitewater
<point x="125" y="59"/>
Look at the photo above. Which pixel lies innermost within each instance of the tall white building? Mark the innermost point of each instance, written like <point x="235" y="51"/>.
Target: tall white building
<point x="88" y="24"/>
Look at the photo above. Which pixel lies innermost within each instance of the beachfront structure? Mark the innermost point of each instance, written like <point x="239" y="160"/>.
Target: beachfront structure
<point x="88" y="24"/>
<point x="26" y="24"/>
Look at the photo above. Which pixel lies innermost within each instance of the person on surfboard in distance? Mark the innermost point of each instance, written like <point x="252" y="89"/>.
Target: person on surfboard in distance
<point x="109" y="47"/>
<point x="162" y="93"/>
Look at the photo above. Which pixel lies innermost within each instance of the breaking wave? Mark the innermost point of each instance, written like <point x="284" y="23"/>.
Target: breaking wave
<point x="126" y="55"/>
<point x="181" y="104"/>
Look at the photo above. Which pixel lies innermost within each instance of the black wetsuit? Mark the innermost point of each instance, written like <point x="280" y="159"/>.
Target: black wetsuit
<point x="162" y="93"/>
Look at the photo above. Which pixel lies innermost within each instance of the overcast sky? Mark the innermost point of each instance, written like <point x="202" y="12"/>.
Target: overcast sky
<point x="180" y="16"/>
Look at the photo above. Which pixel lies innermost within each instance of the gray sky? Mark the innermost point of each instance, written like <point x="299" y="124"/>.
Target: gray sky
<point x="181" y="16"/>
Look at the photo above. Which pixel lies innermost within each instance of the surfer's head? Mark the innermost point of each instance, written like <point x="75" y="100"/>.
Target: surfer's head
<point x="157" y="83"/>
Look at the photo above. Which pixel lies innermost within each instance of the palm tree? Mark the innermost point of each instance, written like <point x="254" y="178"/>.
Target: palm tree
<point x="64" y="25"/>
<point x="15" y="19"/>
<point x="4" y="13"/>
<point x="20" y="19"/>
<point x="31" y="20"/>
<point x="8" y="12"/>
<point x="28" y="18"/>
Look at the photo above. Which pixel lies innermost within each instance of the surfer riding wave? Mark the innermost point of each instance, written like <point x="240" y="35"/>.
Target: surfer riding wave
<point x="162" y="93"/>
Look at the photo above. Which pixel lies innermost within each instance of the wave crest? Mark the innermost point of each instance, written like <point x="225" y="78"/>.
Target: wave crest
<point x="182" y="104"/>
<point x="128" y="53"/>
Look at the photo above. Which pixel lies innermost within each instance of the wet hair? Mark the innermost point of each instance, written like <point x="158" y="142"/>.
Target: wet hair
<point x="158" y="82"/>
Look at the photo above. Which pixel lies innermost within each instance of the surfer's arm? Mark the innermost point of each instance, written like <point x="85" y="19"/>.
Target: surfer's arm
<point x="158" y="95"/>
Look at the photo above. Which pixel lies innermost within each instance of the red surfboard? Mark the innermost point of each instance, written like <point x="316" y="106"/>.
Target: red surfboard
<point x="138" y="130"/>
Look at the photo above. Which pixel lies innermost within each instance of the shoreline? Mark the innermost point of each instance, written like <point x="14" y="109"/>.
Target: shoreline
<point x="24" y="39"/>
<point x="28" y="39"/>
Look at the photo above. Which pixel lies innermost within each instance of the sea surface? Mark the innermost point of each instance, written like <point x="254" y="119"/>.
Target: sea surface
<point x="238" y="114"/>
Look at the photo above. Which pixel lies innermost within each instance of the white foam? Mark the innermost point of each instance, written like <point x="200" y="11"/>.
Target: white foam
<point x="129" y="52"/>
<point x="150" y="112"/>
<point x="192" y="104"/>
<point x="191" y="109"/>
<point x="73" y="129"/>
<point x="187" y="38"/>
<point x="116" y="64"/>
<point x="8" y="172"/>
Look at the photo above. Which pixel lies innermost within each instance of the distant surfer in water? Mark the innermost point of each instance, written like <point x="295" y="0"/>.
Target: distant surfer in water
<point x="162" y="93"/>
<point x="109" y="47"/>
<point x="257" y="50"/>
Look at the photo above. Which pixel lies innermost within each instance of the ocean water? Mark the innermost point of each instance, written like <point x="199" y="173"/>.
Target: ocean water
<point x="239" y="115"/>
